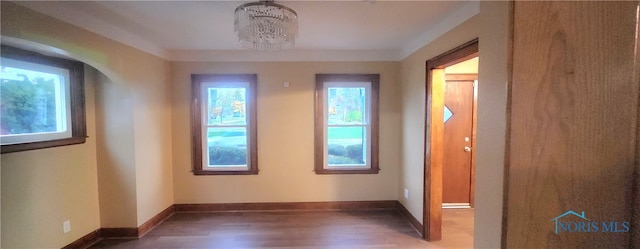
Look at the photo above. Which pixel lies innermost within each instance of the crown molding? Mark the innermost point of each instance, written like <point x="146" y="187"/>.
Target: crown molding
<point x="282" y="55"/>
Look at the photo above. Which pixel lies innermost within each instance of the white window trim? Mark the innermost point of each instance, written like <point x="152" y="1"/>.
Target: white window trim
<point x="63" y="104"/>
<point x="366" y="125"/>
<point x="204" y="126"/>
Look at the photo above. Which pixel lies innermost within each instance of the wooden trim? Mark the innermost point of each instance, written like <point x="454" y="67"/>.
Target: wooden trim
<point x="507" y="160"/>
<point x="285" y="206"/>
<point x="375" y="121"/>
<point x="122" y="232"/>
<point x="346" y="172"/>
<point x="434" y="135"/>
<point x="459" y="54"/>
<point x="434" y="157"/>
<point x="319" y="121"/>
<point x="253" y="123"/>
<point x="474" y="133"/>
<point x="156" y="220"/>
<point x="119" y="232"/>
<point x="85" y="241"/>
<point x="196" y="119"/>
<point x="9" y="148"/>
<point x="224" y="172"/>
<point x="76" y="98"/>
<point x="318" y="125"/>
<point x="412" y="220"/>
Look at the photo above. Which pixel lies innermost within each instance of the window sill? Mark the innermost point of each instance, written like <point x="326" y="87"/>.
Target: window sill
<point x="9" y="148"/>
<point x="345" y="171"/>
<point x="225" y="172"/>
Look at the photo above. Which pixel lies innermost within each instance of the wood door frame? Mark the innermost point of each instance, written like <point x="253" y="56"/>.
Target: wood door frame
<point x="434" y="137"/>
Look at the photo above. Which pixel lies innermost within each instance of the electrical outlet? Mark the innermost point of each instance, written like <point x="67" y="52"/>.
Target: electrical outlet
<point x="406" y="194"/>
<point x="66" y="226"/>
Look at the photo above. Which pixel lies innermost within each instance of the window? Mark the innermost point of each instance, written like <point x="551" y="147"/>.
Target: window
<point x="346" y="125"/>
<point x="41" y="101"/>
<point x="224" y="124"/>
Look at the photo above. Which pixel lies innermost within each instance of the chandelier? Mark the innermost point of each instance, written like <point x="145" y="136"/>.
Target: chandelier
<point x="266" y="25"/>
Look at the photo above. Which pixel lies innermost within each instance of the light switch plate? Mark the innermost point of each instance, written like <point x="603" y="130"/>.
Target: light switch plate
<point x="66" y="226"/>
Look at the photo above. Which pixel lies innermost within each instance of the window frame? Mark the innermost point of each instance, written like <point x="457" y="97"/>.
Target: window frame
<point x="77" y="121"/>
<point x="249" y="81"/>
<point x="321" y="122"/>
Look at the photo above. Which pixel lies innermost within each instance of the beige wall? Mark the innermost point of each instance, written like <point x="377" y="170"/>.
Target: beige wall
<point x="413" y="75"/>
<point x="492" y="104"/>
<point x="116" y="155"/>
<point x="43" y="188"/>
<point x="469" y="66"/>
<point x="144" y="79"/>
<point x="152" y="126"/>
<point x="285" y="137"/>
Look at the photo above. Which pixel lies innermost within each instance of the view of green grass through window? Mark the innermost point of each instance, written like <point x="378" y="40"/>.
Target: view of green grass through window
<point x="346" y="128"/>
<point x="31" y="101"/>
<point x="227" y="127"/>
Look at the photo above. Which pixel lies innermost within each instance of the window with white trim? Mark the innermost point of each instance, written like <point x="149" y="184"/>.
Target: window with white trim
<point x="224" y="124"/>
<point x="346" y="124"/>
<point x="42" y="101"/>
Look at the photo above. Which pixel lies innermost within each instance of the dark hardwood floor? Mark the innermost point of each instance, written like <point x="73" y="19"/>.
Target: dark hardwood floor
<point x="298" y="229"/>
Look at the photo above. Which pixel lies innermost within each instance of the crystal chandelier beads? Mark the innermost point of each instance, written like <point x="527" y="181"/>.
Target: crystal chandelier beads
<point x="266" y="25"/>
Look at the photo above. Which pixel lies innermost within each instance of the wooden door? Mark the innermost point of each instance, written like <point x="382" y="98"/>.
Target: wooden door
<point x="573" y="123"/>
<point x="458" y="135"/>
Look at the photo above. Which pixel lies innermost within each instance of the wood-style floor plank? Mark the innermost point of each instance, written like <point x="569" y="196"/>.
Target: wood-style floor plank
<point x="299" y="229"/>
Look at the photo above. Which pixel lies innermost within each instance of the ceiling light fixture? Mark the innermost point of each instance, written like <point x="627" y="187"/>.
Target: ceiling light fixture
<point x="266" y="25"/>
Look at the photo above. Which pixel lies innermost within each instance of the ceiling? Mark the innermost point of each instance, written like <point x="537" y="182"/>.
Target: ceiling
<point x="328" y="30"/>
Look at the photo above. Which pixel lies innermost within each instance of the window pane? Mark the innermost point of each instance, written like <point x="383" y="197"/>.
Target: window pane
<point x="31" y="102"/>
<point x="226" y="106"/>
<point x="346" y="105"/>
<point x="346" y="146"/>
<point x="227" y="146"/>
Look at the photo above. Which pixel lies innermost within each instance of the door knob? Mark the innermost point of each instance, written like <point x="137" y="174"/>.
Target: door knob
<point x="467" y="149"/>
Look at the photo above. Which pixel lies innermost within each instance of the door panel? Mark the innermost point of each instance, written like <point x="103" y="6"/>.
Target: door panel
<point x="458" y="135"/>
<point x="573" y="123"/>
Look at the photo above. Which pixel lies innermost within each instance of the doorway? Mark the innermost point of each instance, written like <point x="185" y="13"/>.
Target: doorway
<point x="460" y="102"/>
<point x="449" y="144"/>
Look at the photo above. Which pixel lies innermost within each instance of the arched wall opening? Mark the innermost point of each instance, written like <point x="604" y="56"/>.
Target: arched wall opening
<point x="92" y="184"/>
